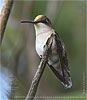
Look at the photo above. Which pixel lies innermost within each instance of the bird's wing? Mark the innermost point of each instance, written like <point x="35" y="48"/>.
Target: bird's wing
<point x="65" y="76"/>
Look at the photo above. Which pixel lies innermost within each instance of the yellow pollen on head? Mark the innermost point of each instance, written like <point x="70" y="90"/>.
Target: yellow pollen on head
<point x="39" y="17"/>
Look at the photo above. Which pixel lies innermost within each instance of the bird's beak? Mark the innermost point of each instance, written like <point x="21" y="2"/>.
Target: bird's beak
<point x="30" y="21"/>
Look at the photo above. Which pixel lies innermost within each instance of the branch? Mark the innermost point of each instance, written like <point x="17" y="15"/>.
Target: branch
<point x="5" y="12"/>
<point x="39" y="72"/>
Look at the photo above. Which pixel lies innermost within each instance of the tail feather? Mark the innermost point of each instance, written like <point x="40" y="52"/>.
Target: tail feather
<point x="65" y="79"/>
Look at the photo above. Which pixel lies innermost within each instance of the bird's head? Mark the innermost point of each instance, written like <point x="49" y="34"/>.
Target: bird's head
<point x="40" y="19"/>
<point x="41" y="22"/>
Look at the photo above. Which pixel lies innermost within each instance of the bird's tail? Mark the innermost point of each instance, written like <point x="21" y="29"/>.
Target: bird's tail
<point x="65" y="78"/>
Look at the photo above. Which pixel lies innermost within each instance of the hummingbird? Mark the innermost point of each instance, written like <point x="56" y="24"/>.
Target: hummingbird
<point x="57" y="60"/>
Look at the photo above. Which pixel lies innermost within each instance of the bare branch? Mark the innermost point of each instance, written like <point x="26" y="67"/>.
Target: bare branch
<point x="39" y="72"/>
<point x="5" y="12"/>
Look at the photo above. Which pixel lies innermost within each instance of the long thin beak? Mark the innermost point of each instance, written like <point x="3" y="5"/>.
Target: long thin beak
<point x="29" y="21"/>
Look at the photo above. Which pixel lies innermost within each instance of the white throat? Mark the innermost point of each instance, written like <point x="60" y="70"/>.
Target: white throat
<point x="42" y="28"/>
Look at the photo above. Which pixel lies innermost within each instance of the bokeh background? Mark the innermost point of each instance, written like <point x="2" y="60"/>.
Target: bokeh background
<point x="19" y="60"/>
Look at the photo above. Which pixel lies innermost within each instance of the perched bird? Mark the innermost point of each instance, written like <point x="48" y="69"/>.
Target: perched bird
<point x="57" y="60"/>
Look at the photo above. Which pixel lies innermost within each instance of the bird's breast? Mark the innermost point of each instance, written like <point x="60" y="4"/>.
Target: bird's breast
<point x="40" y="42"/>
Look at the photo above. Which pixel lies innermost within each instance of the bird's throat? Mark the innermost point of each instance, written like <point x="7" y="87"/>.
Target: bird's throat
<point x="41" y="28"/>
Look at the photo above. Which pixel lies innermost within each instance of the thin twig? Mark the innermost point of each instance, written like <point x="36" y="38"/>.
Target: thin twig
<point x="39" y="72"/>
<point x="5" y="12"/>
